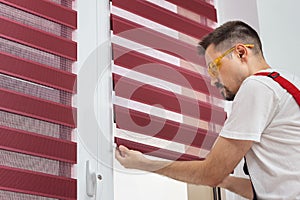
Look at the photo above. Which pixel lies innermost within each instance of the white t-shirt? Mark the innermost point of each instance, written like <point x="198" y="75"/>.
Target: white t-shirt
<point x="267" y="114"/>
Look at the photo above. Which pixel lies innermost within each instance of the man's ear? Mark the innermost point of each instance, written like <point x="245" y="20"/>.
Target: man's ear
<point x="241" y="50"/>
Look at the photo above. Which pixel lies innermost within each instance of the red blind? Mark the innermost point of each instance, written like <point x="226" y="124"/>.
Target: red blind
<point x="36" y="87"/>
<point x="163" y="102"/>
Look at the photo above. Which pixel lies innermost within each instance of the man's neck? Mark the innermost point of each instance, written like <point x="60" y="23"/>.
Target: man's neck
<point x="258" y="66"/>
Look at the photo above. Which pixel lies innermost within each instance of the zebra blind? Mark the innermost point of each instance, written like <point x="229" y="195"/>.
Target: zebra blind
<point x="164" y="105"/>
<point x="36" y="87"/>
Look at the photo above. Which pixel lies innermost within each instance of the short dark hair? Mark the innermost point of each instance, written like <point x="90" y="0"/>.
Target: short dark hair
<point x="228" y="35"/>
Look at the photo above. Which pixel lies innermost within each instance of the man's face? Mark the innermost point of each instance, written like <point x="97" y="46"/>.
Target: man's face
<point x="225" y="71"/>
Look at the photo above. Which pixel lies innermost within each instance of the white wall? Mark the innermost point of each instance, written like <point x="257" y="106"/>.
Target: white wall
<point x="280" y="31"/>
<point x="244" y="10"/>
<point x="137" y="185"/>
<point x="277" y="23"/>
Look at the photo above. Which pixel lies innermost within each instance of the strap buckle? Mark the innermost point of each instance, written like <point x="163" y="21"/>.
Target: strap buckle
<point x="273" y="75"/>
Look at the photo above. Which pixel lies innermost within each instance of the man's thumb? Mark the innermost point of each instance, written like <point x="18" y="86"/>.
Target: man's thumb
<point x="123" y="150"/>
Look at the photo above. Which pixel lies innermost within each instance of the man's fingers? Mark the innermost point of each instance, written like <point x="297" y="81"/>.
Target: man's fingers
<point x="123" y="148"/>
<point x="118" y="155"/>
<point x="129" y="158"/>
<point x="121" y="151"/>
<point x="121" y="155"/>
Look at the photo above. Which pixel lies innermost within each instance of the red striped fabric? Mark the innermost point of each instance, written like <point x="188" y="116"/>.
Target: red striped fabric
<point x="39" y="184"/>
<point x="36" y="87"/>
<point x="38" y="145"/>
<point x="151" y="38"/>
<point x="154" y="151"/>
<point x="164" y="17"/>
<point x="158" y="68"/>
<point x="198" y="6"/>
<point x="37" y="39"/>
<point x="148" y="94"/>
<point x="37" y="73"/>
<point x="132" y="120"/>
<point x="46" y="9"/>
<point x="146" y="80"/>
<point x="35" y="108"/>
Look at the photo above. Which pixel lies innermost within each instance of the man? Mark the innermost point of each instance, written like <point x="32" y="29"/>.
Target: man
<point x="263" y="127"/>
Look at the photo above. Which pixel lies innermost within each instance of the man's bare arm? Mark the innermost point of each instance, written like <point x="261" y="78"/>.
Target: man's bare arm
<point x="238" y="185"/>
<point x="220" y="162"/>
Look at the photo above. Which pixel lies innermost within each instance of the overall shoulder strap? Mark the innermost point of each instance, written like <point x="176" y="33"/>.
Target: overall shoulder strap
<point x="292" y="89"/>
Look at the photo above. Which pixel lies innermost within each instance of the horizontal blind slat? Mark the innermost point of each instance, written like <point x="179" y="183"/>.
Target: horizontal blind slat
<point x="37" y="108"/>
<point x="37" y="39"/>
<point x="135" y="121"/>
<point x="199" y="7"/>
<point x="155" y="151"/>
<point x="36" y="183"/>
<point x="46" y="9"/>
<point x="37" y="145"/>
<point x="38" y="73"/>
<point x="163" y="17"/>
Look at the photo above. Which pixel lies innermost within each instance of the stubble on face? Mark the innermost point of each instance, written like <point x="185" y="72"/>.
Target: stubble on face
<point x="226" y="93"/>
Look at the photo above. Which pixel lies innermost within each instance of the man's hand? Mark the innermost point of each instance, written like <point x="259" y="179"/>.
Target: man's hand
<point x="136" y="160"/>
<point x="130" y="158"/>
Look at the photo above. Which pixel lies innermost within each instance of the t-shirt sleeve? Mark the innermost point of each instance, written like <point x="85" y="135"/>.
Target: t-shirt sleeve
<point x="252" y="110"/>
